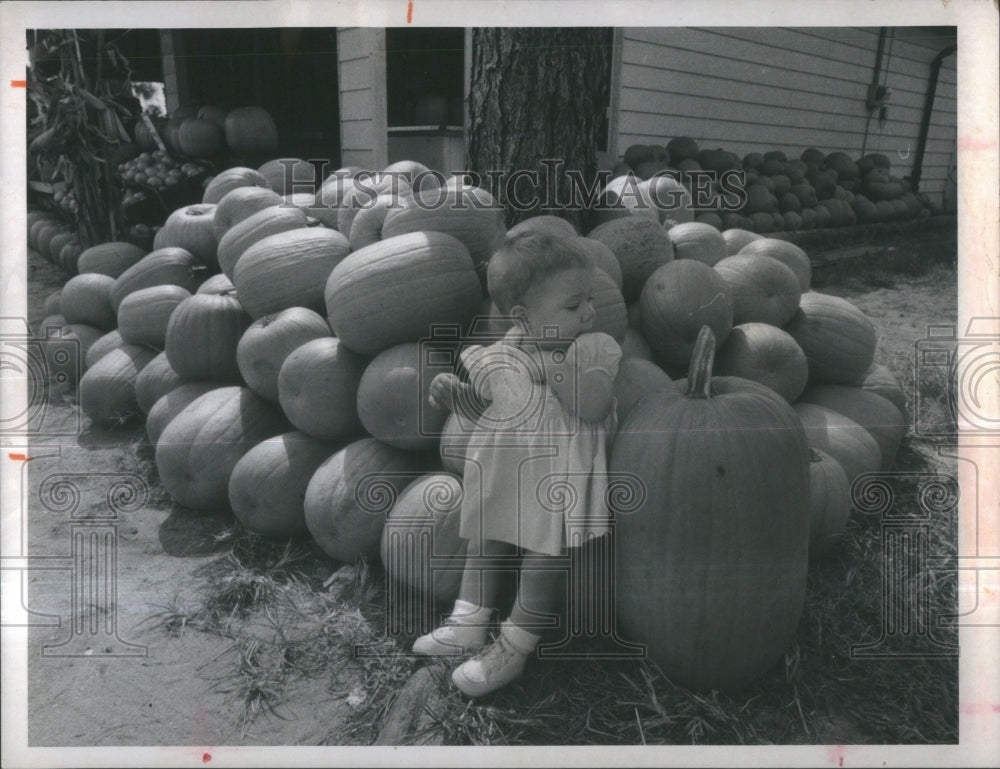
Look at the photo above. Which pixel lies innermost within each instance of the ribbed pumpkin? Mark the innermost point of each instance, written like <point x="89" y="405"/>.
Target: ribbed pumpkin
<point x="764" y="354"/>
<point x="636" y="378"/>
<point x="202" y="336"/>
<point x="712" y="553"/>
<point x="366" y="228"/>
<point x="269" y="340"/>
<point x="837" y="338"/>
<point x="250" y="130"/>
<point x="546" y="223"/>
<point x="199" y="448"/>
<point x="200" y="138"/>
<point x="461" y="214"/>
<point x="102" y="346"/>
<point x="289" y="269"/>
<point x="880" y="380"/>
<point x="155" y="380"/>
<point x="285" y="174"/>
<point x="641" y="246"/>
<point x="604" y="258"/>
<point x="393" y="399"/>
<point x="829" y="502"/>
<point x="764" y="289"/>
<point x="86" y="299"/>
<point x="840" y="437"/>
<point x="165" y="266"/>
<point x="240" y="203"/>
<point x="217" y="284"/>
<point x="678" y="299"/>
<point x="267" y="489"/>
<point x="697" y="240"/>
<point x="172" y="403"/>
<point x="228" y="180"/>
<point x="107" y="389"/>
<point x="351" y="493"/>
<point x="785" y="252"/>
<point x="610" y="316"/>
<point x="876" y="414"/>
<point x="143" y="315"/>
<point x="395" y="290"/>
<point x="190" y="228"/>
<point x="423" y="525"/>
<point x="318" y="388"/>
<point x="736" y="238"/>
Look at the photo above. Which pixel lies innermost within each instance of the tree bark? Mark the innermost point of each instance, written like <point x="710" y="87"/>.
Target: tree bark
<point x="537" y="95"/>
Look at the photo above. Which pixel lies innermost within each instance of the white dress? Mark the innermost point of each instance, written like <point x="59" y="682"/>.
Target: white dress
<point x="535" y="475"/>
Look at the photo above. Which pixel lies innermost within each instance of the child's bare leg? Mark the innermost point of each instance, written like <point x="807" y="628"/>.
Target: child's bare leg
<point x="466" y="627"/>
<point x="541" y="588"/>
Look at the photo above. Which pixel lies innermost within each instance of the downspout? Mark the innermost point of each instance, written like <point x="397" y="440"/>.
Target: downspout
<point x="925" y="120"/>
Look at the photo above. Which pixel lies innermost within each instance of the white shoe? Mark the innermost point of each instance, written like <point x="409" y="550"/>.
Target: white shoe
<point x="497" y="666"/>
<point x="452" y="638"/>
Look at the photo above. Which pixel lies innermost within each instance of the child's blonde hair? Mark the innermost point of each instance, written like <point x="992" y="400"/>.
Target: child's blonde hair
<point x="526" y="258"/>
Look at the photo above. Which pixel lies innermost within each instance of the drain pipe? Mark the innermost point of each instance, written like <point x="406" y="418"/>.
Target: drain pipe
<point x="925" y="120"/>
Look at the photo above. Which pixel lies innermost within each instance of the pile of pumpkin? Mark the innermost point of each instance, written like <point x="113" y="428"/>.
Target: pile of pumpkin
<point x="815" y="190"/>
<point x="207" y="131"/>
<point x="281" y="348"/>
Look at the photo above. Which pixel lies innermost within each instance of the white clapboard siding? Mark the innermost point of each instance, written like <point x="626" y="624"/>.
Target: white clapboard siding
<point x="361" y="75"/>
<point x="768" y="88"/>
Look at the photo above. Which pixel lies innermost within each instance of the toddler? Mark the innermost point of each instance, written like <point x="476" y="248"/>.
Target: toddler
<point x="536" y="460"/>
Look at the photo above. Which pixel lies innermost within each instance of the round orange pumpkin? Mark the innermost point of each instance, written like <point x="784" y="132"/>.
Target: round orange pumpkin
<point x="698" y="240"/>
<point x="842" y="438"/>
<point x="143" y="315"/>
<point x="764" y="289"/>
<point x="156" y="379"/>
<point x="202" y="335"/>
<point x="785" y="252"/>
<point x="86" y="298"/>
<point x="250" y="130"/>
<point x="269" y="340"/>
<point x="166" y="266"/>
<point x="172" y="403"/>
<point x="190" y="228"/>
<point x="230" y="179"/>
<point x="107" y="389"/>
<point x="837" y="338"/>
<point x="765" y="354"/>
<point x="262" y="224"/>
<point x="102" y="346"/>
<point x="238" y="204"/>
<point x="641" y="247"/>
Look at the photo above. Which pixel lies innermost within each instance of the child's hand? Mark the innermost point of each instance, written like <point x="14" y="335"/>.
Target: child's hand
<point x="442" y="391"/>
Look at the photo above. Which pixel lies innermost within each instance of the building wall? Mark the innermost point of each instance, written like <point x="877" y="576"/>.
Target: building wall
<point x="764" y="88"/>
<point x="361" y="70"/>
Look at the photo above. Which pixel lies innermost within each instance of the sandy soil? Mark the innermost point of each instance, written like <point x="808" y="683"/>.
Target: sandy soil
<point x="161" y="691"/>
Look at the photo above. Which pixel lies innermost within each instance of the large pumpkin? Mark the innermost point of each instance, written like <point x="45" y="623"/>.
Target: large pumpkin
<point x="318" y="388"/>
<point x="111" y="258"/>
<point x="636" y="378"/>
<point x="155" y="380"/>
<point x="269" y="340"/>
<point x="86" y="299"/>
<point x="143" y="315"/>
<point x="697" y="240"/>
<point x="840" y="437"/>
<point x="172" y="403"/>
<point x="876" y="414"/>
<point x="250" y="130"/>
<point x="230" y="179"/>
<point x="712" y="546"/>
<point x="199" y="448"/>
<point x="240" y="203"/>
<point x="787" y="253"/>
<point x="351" y="493"/>
<point x="190" y="228"/>
<point x="166" y="266"/>
<point x="641" y="246"/>
<point x="287" y="175"/>
<point x="678" y="299"/>
<point x="764" y="354"/>
<point x="267" y="488"/>
<point x="764" y="289"/>
<point x="262" y="224"/>
<point x="837" y="338"/>
<point x="289" y="269"/>
<point x="107" y="389"/>
<point x="829" y="502"/>
<point x="202" y="335"/>
<point x="200" y="138"/>
<point x="398" y="289"/>
<point x="393" y="398"/>
<point x="423" y="528"/>
<point x="102" y="346"/>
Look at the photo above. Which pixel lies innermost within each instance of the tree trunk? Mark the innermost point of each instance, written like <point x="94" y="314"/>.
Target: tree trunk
<point x="538" y="95"/>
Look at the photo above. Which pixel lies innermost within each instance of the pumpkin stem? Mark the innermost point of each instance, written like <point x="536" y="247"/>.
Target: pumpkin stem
<point x="700" y="372"/>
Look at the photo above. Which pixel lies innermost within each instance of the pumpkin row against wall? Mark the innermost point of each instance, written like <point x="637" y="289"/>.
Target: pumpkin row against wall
<point x="284" y="373"/>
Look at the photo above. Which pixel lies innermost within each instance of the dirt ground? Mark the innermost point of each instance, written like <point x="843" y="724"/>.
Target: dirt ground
<point x="159" y="689"/>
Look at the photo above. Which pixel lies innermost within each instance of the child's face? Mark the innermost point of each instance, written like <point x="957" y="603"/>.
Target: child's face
<point x="560" y="307"/>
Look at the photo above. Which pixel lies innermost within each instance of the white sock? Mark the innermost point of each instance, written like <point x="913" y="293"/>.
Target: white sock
<point x="467" y="613"/>
<point x="523" y="640"/>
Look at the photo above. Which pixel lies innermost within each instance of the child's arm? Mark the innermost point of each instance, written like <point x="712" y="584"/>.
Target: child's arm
<point x="583" y="380"/>
<point x="446" y="389"/>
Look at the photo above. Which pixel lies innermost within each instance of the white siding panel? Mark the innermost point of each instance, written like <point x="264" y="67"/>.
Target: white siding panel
<point x="356" y="134"/>
<point x="755" y="89"/>
<point x="362" y="98"/>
